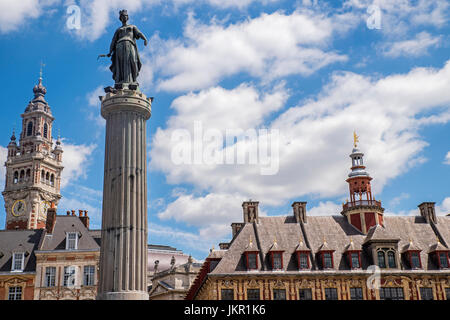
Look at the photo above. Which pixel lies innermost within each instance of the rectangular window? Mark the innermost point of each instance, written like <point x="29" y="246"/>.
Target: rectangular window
<point x="277" y="263"/>
<point x="303" y="260"/>
<point x="15" y="293"/>
<point x="391" y="259"/>
<point x="426" y="293"/>
<point x="356" y="294"/>
<point x="355" y="259"/>
<point x="305" y="294"/>
<point x="252" y="262"/>
<point x="443" y="260"/>
<point x="381" y="259"/>
<point x="415" y="260"/>
<point x="50" y="276"/>
<point x="227" y="294"/>
<point x="88" y="277"/>
<point x="69" y="276"/>
<point x="395" y="293"/>
<point x="279" y="294"/>
<point x="253" y="294"/>
<point x="17" y="263"/>
<point x="71" y="241"/>
<point x="331" y="294"/>
<point x="327" y="260"/>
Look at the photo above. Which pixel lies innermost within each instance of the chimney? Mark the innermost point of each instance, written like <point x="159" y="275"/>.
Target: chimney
<point x="250" y="211"/>
<point x="299" y="211"/>
<point x="84" y="218"/>
<point x="51" y="219"/>
<point x="427" y="211"/>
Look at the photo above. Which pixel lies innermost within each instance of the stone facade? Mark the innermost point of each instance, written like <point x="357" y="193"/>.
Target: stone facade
<point x="331" y="257"/>
<point x="173" y="283"/>
<point x="33" y="168"/>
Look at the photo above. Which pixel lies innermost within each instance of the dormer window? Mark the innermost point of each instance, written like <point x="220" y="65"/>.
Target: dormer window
<point x="303" y="260"/>
<point x="443" y="262"/>
<point x="354" y="259"/>
<point x="277" y="260"/>
<point x="251" y="258"/>
<point x="386" y="258"/>
<point x="18" y="261"/>
<point x="72" y="241"/>
<point x="440" y="254"/>
<point x="326" y="259"/>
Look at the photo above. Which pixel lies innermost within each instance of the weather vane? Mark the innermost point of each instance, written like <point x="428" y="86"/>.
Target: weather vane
<point x="355" y="138"/>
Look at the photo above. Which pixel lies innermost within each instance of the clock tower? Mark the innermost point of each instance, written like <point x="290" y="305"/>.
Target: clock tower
<point x="33" y="167"/>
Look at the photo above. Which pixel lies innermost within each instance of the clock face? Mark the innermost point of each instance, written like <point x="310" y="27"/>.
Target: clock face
<point x="44" y="206"/>
<point x="18" y="208"/>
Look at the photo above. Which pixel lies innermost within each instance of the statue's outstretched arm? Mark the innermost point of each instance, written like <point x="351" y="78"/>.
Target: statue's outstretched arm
<point x="139" y="35"/>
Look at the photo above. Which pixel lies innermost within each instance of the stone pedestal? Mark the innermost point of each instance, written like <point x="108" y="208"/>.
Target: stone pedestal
<point x="123" y="254"/>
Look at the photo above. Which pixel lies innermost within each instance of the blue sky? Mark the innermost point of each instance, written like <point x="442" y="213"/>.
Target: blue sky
<point x="313" y="71"/>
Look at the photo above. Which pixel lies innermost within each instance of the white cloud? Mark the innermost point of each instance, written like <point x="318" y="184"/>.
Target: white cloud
<point x="444" y="208"/>
<point x="447" y="158"/>
<point x="315" y="136"/>
<point x="75" y="161"/>
<point x="14" y="14"/>
<point x="3" y="156"/>
<point x="396" y="200"/>
<point x="399" y="17"/>
<point x="413" y="47"/>
<point x="97" y="14"/>
<point x="268" y="47"/>
<point x="327" y="208"/>
<point x="94" y="102"/>
<point x="181" y="237"/>
<point x="75" y="203"/>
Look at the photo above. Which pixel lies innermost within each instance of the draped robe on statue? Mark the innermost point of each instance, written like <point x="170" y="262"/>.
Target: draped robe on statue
<point x="126" y="63"/>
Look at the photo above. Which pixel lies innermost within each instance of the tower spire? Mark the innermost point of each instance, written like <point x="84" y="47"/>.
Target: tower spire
<point x="40" y="71"/>
<point x="362" y="211"/>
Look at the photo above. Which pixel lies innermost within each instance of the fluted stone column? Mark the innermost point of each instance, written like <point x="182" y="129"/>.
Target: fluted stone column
<point x="123" y="254"/>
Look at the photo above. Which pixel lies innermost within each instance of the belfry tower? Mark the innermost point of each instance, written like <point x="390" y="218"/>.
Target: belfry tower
<point x="362" y="211"/>
<point x="33" y="167"/>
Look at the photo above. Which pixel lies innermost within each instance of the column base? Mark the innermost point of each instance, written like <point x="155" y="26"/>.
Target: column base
<point x="123" y="295"/>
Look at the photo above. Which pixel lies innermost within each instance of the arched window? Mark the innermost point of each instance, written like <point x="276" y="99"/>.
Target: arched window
<point x="52" y="180"/>
<point x="22" y="175"/>
<point x="45" y="130"/>
<point x="391" y="259"/>
<point x="47" y="177"/>
<point x="30" y="128"/>
<point x="42" y="176"/>
<point x="381" y="259"/>
<point x="28" y="175"/>
<point x="16" y="177"/>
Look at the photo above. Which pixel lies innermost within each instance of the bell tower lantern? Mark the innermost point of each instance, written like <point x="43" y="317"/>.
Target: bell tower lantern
<point x="362" y="211"/>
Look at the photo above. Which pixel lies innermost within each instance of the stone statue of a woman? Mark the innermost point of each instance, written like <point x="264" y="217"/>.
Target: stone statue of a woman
<point x="124" y="53"/>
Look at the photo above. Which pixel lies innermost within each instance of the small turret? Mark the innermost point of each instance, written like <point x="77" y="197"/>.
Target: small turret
<point x="362" y="211"/>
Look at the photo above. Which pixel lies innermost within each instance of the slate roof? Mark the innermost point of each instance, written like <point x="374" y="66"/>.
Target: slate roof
<point x="19" y="240"/>
<point x="57" y="239"/>
<point x="338" y="235"/>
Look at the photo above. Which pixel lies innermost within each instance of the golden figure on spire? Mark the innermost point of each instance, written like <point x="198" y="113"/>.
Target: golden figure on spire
<point x="355" y="138"/>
